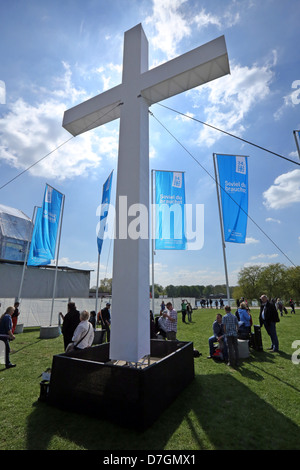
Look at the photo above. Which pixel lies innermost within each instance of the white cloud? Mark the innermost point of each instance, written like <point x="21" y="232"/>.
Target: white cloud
<point x="290" y="100"/>
<point x="173" y="20"/>
<point x="203" y="19"/>
<point x="231" y="98"/>
<point x="262" y="255"/>
<point x="258" y="263"/>
<point x="111" y="75"/>
<point x="270" y="219"/>
<point x="185" y="118"/>
<point x="284" y="192"/>
<point x="170" y="24"/>
<point x="251" y="240"/>
<point x="31" y="131"/>
<point x="2" y="92"/>
<point x="190" y="277"/>
<point x="86" y="265"/>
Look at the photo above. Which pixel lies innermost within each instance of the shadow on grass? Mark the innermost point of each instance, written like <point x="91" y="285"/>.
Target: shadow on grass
<point x="216" y="411"/>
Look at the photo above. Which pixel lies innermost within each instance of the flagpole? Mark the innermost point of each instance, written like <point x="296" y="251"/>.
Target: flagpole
<point x="105" y="200"/>
<point x="97" y="285"/>
<point x="222" y="230"/>
<point x="152" y="241"/>
<point x="296" y="140"/>
<point x="26" y="253"/>
<point x="57" y="254"/>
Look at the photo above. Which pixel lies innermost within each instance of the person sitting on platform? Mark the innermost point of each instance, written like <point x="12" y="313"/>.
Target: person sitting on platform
<point x="84" y="334"/>
<point x="218" y="336"/>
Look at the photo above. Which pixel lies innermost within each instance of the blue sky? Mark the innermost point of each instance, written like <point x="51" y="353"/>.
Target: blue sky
<point x="56" y="54"/>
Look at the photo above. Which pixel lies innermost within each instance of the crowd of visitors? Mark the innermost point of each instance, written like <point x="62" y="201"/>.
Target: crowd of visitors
<point x="229" y="328"/>
<point x="78" y="327"/>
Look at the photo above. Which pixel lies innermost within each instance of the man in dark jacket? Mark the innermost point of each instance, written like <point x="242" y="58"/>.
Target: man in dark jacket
<point x="71" y="321"/>
<point x="269" y="317"/>
<point x="105" y="320"/>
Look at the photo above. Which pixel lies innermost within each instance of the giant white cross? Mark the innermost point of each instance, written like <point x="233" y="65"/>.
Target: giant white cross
<point x="140" y="87"/>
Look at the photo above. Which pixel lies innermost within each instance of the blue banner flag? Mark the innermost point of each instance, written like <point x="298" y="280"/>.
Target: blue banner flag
<point x="43" y="243"/>
<point x="104" y="211"/>
<point x="233" y="179"/>
<point x="169" y="211"/>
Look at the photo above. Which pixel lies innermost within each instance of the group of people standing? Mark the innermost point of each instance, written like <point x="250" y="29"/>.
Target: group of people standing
<point x="78" y="328"/>
<point x="227" y="329"/>
<point x="281" y="307"/>
<point x="186" y="309"/>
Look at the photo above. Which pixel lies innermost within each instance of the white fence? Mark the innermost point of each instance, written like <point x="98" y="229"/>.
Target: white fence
<point x="37" y="312"/>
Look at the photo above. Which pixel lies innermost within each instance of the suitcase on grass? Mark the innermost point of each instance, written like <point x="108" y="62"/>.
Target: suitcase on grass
<point x="256" y="341"/>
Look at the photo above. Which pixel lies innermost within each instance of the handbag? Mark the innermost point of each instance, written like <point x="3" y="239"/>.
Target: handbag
<point x="72" y="346"/>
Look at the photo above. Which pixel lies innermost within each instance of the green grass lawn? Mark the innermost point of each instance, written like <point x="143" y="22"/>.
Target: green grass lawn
<point x="256" y="406"/>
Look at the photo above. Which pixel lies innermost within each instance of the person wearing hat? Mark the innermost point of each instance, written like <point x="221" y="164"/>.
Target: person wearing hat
<point x="105" y="320"/>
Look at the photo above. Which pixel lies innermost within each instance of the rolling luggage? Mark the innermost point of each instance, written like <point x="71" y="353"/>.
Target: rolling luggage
<point x="256" y="341"/>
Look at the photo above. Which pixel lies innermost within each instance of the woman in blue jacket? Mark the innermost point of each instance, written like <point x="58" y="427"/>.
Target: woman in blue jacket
<point x="244" y="321"/>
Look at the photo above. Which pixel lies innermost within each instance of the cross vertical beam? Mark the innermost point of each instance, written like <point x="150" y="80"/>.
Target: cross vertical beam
<point x="130" y="284"/>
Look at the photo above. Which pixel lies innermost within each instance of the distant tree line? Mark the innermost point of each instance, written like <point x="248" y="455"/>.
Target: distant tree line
<point x="197" y="291"/>
<point x="274" y="280"/>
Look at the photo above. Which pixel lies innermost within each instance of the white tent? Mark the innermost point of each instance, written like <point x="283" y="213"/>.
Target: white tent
<point x="15" y="231"/>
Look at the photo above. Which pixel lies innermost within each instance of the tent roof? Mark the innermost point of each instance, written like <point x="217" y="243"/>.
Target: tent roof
<point x="11" y="211"/>
<point x="14" y="223"/>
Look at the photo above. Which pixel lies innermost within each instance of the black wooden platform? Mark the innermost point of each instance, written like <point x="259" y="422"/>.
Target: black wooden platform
<point x="88" y="382"/>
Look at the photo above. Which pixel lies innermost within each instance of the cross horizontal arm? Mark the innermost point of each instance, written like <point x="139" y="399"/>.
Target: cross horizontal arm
<point x="94" y="112"/>
<point x="199" y="66"/>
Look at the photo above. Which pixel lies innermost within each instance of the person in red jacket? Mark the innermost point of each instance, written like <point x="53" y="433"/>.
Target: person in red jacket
<point x="15" y="315"/>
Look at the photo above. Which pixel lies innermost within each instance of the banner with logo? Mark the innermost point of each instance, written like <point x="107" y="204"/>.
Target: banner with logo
<point x="43" y="243"/>
<point x="233" y="179"/>
<point x="104" y="211"/>
<point x="169" y="210"/>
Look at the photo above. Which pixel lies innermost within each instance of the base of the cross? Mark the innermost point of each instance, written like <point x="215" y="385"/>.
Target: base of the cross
<point x="132" y="395"/>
